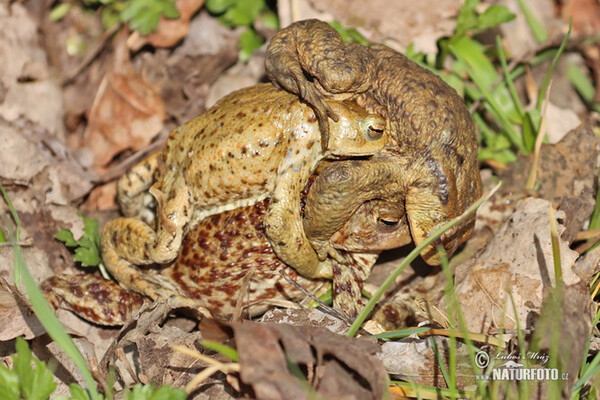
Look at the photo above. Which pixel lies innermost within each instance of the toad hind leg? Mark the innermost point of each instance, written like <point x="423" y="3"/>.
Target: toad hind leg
<point x="133" y="186"/>
<point x="127" y="242"/>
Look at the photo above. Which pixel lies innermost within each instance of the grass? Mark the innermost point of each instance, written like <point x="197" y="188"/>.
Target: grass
<point x="20" y="380"/>
<point x="481" y="73"/>
<point x="484" y="76"/>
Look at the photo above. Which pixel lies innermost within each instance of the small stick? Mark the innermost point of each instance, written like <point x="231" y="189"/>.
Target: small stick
<point x="74" y="73"/>
<point x="327" y="309"/>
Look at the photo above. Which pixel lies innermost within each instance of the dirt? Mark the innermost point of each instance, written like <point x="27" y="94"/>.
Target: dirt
<point x="73" y="119"/>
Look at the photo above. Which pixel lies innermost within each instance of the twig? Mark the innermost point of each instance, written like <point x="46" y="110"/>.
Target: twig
<point x="130" y="161"/>
<point x="74" y="73"/>
<point x="538" y="142"/>
<point x="24" y="242"/>
<point x="584" y="235"/>
<point x="239" y="305"/>
<point x="330" y="310"/>
<point x="586" y="246"/>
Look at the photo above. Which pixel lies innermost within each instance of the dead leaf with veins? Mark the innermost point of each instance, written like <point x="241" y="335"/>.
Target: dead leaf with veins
<point x="517" y="260"/>
<point x="127" y="112"/>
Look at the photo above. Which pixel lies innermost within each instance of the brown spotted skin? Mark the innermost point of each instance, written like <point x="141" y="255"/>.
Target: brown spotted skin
<point x="218" y="253"/>
<point x="93" y="298"/>
<point x="255" y="143"/>
<point x="426" y="118"/>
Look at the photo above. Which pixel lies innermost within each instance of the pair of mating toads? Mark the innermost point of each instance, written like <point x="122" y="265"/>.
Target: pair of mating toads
<point x="361" y="151"/>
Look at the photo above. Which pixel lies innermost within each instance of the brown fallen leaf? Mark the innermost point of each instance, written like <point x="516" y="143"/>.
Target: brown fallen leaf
<point x="414" y="360"/>
<point x="517" y="260"/>
<point x="16" y="317"/>
<point x="585" y="14"/>
<point x="127" y="112"/>
<point x="331" y="366"/>
<point x="170" y="31"/>
<point x="102" y="197"/>
<point x="566" y="175"/>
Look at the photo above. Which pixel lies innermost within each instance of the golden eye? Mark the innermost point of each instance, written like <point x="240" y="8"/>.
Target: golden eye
<point x="375" y="127"/>
<point x="388" y="222"/>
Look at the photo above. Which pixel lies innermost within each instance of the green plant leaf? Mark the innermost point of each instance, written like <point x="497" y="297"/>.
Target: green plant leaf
<point x="87" y="257"/>
<point x="218" y="6"/>
<point x="90" y="230"/>
<point x="244" y="12"/>
<point x="87" y="250"/>
<point x="66" y="236"/>
<point x="249" y="41"/>
<point x="494" y="16"/>
<point x="110" y="17"/>
<point x="59" y="11"/>
<point x="78" y="393"/>
<point x="147" y="392"/>
<point x="467" y="18"/>
<point x="36" y="384"/>
<point x="270" y="20"/>
<point x="9" y="384"/>
<point x="221" y="348"/>
<point x="144" y="15"/>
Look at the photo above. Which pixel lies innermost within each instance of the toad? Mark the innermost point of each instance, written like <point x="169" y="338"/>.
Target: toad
<point x="255" y="143"/>
<point x="229" y="251"/>
<point x="427" y="121"/>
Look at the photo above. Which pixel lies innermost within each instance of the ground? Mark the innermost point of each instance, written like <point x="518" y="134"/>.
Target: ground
<point x="80" y="104"/>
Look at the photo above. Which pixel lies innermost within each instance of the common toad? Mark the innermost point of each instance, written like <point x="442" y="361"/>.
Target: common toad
<point x="225" y="249"/>
<point x="427" y="120"/>
<point x="255" y="143"/>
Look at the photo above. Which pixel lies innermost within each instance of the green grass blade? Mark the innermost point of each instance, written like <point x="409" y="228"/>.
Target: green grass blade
<point x="539" y="32"/>
<point x="507" y="78"/>
<point x="583" y="85"/>
<point x="17" y="238"/>
<point x="542" y="93"/>
<point x="45" y="313"/>
<point x="442" y="366"/>
<point x="401" y="333"/>
<point x="452" y="349"/>
<point x="221" y="348"/>
<point x="523" y="386"/>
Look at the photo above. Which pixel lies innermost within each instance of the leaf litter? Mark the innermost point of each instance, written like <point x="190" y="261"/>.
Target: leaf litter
<point x="125" y="105"/>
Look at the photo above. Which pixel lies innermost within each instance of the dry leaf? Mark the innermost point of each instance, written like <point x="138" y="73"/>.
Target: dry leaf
<point x="414" y="360"/>
<point x="16" y="316"/>
<point x="127" y="112"/>
<point x="39" y="101"/>
<point x="566" y="176"/>
<point x="519" y="260"/>
<point x="335" y="366"/>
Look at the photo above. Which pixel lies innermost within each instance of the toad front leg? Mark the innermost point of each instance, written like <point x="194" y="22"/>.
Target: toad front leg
<point x="127" y="242"/>
<point x="313" y="48"/>
<point x="283" y="221"/>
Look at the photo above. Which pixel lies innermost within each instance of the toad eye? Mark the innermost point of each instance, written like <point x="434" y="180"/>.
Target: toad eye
<point x="388" y="222"/>
<point x="375" y="127"/>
